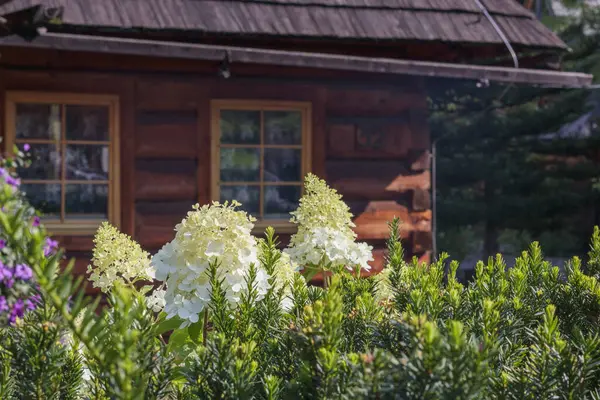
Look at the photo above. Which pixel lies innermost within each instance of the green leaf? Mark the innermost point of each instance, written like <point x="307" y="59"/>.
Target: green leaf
<point x="195" y="331"/>
<point x="177" y="340"/>
<point x="168" y="325"/>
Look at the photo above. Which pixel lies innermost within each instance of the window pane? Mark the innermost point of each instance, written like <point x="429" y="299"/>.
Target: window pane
<point x="87" y="123"/>
<point x="283" y="165"/>
<point x="45" y="163"/>
<point x="280" y="200"/>
<point x="249" y="196"/>
<point x="38" y="121"/>
<point x="86" y="201"/>
<point x="44" y="197"/>
<point x="283" y="127"/>
<point x="240" y="165"/>
<point x="240" y="127"/>
<point x="87" y="162"/>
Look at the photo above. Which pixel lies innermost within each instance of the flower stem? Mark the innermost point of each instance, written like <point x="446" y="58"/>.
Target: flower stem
<point x="205" y="327"/>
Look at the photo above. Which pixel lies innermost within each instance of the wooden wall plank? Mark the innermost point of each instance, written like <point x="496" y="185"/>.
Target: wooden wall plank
<point x="163" y="94"/>
<point x="363" y="141"/>
<point x="361" y="102"/>
<point x="166" y="141"/>
<point x="165" y="180"/>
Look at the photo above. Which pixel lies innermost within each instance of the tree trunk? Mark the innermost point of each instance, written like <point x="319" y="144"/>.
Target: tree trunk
<point x="490" y="235"/>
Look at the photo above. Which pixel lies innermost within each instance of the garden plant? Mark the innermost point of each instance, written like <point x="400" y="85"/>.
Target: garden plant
<point x="220" y="314"/>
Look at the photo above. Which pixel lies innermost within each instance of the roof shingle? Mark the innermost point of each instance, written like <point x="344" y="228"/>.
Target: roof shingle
<point x="454" y="21"/>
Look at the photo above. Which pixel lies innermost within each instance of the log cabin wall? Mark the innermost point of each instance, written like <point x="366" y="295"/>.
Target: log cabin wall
<point x="370" y="141"/>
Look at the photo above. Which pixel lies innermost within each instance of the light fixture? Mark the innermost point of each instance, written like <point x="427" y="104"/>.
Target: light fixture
<point x="224" y="71"/>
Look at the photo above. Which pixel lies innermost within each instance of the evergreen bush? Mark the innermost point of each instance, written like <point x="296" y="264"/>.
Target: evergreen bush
<point x="234" y="319"/>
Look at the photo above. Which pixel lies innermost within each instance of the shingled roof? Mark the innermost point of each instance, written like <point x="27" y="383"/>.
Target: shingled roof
<point x="449" y="21"/>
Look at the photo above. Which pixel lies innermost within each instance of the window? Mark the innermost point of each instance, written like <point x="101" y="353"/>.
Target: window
<point x="260" y="150"/>
<point x="73" y="139"/>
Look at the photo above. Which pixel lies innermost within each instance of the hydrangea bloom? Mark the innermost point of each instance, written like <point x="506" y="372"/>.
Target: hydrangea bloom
<point x="211" y="233"/>
<point x="156" y="300"/>
<point x="325" y="238"/>
<point x="117" y="257"/>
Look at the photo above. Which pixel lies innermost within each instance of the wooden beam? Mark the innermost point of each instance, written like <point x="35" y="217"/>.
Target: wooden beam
<point x="115" y="45"/>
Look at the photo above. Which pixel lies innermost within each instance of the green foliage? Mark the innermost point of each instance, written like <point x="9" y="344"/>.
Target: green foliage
<point x="526" y="332"/>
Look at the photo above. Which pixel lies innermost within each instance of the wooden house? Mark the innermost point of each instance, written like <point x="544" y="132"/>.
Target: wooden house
<point x="137" y="109"/>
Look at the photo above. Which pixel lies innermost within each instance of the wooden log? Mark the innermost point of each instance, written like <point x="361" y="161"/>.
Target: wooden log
<point x="166" y="180"/>
<point x="373" y="223"/>
<point x="75" y="243"/>
<point x="379" y="187"/>
<point x="420" y="160"/>
<point x="358" y="101"/>
<point x="421" y="200"/>
<point x="421" y="241"/>
<point x="360" y="142"/>
<point x="425" y="257"/>
<point x="163" y="94"/>
<point x="166" y="141"/>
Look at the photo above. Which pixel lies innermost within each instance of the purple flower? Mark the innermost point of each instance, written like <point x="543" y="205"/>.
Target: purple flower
<point x="12" y="181"/>
<point x="17" y="311"/>
<point x="9" y="283"/>
<point x="26" y="147"/>
<point x="3" y="304"/>
<point x="50" y="246"/>
<point x="2" y="244"/>
<point x="5" y="273"/>
<point x="23" y="272"/>
<point x="30" y="305"/>
<point x="36" y="221"/>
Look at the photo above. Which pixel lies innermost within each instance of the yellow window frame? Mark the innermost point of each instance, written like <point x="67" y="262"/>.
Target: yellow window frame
<point x="80" y="226"/>
<point x="305" y="108"/>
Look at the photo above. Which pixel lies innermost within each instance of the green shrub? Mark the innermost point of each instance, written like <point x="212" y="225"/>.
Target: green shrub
<point x="233" y="319"/>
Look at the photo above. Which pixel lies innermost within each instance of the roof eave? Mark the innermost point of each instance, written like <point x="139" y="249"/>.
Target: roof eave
<point x="105" y="44"/>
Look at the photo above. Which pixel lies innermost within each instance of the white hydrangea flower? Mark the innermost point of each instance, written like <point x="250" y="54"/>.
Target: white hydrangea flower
<point x="325" y="238"/>
<point x="117" y="257"/>
<point x="156" y="300"/>
<point x="211" y="233"/>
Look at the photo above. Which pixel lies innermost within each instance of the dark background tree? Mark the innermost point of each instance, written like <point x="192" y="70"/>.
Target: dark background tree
<point x="516" y="164"/>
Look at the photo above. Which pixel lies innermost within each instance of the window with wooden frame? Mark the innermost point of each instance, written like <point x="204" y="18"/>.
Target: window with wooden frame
<point x="73" y="179"/>
<point x="260" y="154"/>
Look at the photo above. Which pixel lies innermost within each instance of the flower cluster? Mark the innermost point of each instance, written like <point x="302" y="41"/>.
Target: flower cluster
<point x="14" y="282"/>
<point x="117" y="257"/>
<point x="216" y="233"/>
<point x="7" y="178"/>
<point x="50" y="247"/>
<point x="156" y="300"/>
<point x="325" y="238"/>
